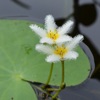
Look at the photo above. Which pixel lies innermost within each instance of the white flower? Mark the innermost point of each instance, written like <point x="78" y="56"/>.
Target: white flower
<point x="60" y="52"/>
<point x="52" y="34"/>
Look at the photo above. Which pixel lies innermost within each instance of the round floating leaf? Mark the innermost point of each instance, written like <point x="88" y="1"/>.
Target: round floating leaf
<point x="19" y="59"/>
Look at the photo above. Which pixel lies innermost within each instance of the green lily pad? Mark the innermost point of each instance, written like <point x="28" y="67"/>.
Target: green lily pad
<point x="19" y="59"/>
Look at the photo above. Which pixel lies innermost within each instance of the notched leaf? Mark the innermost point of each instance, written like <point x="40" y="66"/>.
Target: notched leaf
<point x="31" y="67"/>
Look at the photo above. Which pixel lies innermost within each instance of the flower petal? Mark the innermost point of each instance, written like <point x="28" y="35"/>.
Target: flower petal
<point x="49" y="23"/>
<point x="52" y="58"/>
<point x="46" y="40"/>
<point x="63" y="38"/>
<point x="66" y="27"/>
<point x="39" y="31"/>
<point x="75" y="41"/>
<point x="44" y="49"/>
<point x="71" y="55"/>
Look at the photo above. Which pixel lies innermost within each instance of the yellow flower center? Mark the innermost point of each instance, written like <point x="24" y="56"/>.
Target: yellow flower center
<point x="61" y="51"/>
<point x="53" y="35"/>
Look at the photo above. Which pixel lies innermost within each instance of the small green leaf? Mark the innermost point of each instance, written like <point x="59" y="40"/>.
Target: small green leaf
<point x="19" y="59"/>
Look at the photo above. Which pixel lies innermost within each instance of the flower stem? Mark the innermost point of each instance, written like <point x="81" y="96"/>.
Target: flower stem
<point x="50" y="74"/>
<point x="62" y="71"/>
<point x="62" y="83"/>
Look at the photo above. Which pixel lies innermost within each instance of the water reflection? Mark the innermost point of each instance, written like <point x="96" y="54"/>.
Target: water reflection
<point x="96" y="2"/>
<point x="22" y="4"/>
<point x="85" y="14"/>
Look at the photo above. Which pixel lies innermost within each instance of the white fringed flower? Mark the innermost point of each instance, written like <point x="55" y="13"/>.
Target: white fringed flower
<point x="60" y="52"/>
<point x="52" y="34"/>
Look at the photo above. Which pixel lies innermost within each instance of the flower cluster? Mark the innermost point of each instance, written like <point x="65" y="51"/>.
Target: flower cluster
<point x="54" y="41"/>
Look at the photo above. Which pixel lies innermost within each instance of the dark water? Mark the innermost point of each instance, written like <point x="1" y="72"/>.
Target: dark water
<point x="85" y="13"/>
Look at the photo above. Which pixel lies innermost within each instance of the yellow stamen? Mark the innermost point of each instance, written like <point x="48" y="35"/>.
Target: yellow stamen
<point x="61" y="51"/>
<point x="53" y="35"/>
